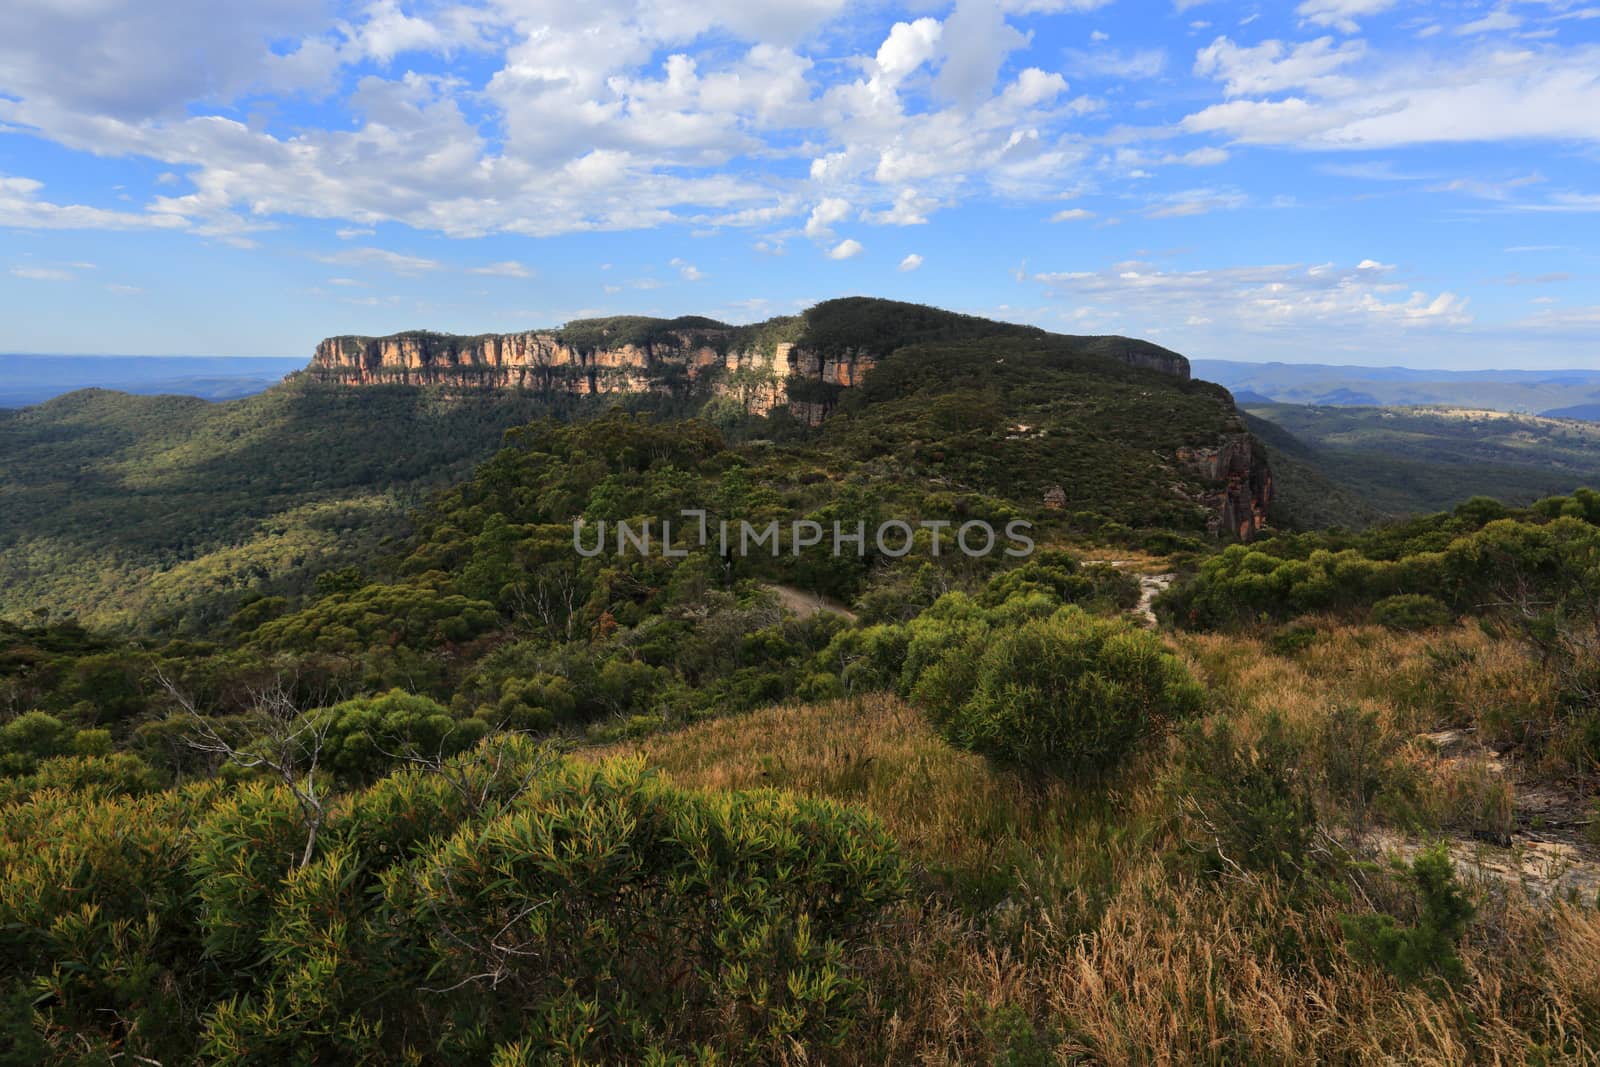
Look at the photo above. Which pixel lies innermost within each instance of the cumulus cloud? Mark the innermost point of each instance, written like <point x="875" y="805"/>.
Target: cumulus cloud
<point x="829" y="211"/>
<point x="910" y="263"/>
<point x="610" y="115"/>
<point x="849" y="248"/>
<point x="22" y="208"/>
<point x="1139" y="296"/>
<point x="1072" y="214"/>
<point x="1539" y="93"/>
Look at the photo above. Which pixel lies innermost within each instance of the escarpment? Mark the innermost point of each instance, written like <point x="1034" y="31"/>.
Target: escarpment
<point x="801" y="361"/>
<point x="807" y="364"/>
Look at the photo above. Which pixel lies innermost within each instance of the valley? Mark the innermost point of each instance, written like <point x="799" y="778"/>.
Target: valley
<point x="321" y="740"/>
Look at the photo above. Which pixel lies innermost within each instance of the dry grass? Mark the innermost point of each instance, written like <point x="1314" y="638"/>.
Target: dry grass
<point x="1092" y="949"/>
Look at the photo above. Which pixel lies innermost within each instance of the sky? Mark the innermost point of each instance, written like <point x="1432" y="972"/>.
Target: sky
<point x="1336" y="181"/>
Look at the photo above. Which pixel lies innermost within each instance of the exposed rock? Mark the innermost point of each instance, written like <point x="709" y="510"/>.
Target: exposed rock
<point x="784" y="362"/>
<point x="1241" y="483"/>
<point x="761" y="366"/>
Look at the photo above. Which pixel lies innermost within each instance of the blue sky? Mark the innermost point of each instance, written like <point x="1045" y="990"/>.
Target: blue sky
<point x="1366" y="181"/>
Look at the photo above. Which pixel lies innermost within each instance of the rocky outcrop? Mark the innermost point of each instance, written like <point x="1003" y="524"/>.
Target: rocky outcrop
<point x="762" y="366"/>
<point x="802" y="363"/>
<point x="1239" y="482"/>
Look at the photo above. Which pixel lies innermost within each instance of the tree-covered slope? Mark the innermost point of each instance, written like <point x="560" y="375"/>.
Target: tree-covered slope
<point x="119" y="507"/>
<point x="1406" y="461"/>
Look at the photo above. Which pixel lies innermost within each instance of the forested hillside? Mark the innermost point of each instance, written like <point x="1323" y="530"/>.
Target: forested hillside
<point x="489" y="800"/>
<point x="1410" y="461"/>
<point x="162" y="510"/>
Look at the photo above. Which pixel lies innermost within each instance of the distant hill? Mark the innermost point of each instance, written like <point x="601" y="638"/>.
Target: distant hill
<point x="1555" y="393"/>
<point x="1587" y="412"/>
<point x="1407" y="461"/>
<point x="29" y="379"/>
<point x="116" y="506"/>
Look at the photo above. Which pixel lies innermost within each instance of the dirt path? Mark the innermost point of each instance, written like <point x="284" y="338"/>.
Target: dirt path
<point x="1150" y="587"/>
<point x="806" y="604"/>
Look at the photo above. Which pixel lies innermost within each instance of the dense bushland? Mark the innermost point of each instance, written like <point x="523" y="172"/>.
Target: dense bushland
<point x="502" y="906"/>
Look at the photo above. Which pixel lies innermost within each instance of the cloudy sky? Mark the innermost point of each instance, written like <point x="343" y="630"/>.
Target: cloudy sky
<point x="1373" y="181"/>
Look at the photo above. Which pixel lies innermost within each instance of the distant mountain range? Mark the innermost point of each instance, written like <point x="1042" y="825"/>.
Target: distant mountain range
<point x="26" y="380"/>
<point x="1569" y="394"/>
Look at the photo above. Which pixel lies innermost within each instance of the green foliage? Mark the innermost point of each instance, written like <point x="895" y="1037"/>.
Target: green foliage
<point x="505" y="904"/>
<point x="1068" y="695"/>
<point x="167" y="511"/>
<point x="29" y="739"/>
<point x="362" y="739"/>
<point x="1468" y="561"/>
<point x="1426" y="950"/>
<point x="415" y="615"/>
<point x="1411" y="611"/>
<point x="1246" y="805"/>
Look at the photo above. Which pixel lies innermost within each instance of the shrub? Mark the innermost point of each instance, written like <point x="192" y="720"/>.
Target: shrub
<point x="1247" y="805"/>
<point x="1411" y="611"/>
<point x="1426" y="950"/>
<point x="30" y="738"/>
<point x="504" y="906"/>
<point x="1070" y="694"/>
<point x="363" y="739"/>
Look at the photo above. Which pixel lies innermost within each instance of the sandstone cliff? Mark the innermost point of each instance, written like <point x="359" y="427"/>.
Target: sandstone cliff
<point x="1240" y="482"/>
<point x="800" y="361"/>
<point x="803" y="362"/>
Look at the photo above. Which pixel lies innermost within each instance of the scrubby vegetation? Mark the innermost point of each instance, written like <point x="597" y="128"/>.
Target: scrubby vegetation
<point x="479" y="797"/>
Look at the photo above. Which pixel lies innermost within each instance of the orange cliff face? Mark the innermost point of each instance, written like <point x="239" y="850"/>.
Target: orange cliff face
<point x="748" y="366"/>
<point x="546" y="362"/>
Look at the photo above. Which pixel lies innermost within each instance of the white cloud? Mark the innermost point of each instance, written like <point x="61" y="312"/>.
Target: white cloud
<point x="975" y="42"/>
<point x="1341" y="14"/>
<point x="829" y="211"/>
<point x="398" y="262"/>
<point x="910" y="208"/>
<point x="1072" y="214"/>
<point x="1141" y="298"/>
<point x="1195" y="202"/>
<point x="507" y="269"/>
<point x="124" y="290"/>
<point x="20" y="207"/>
<point x="1495" y="21"/>
<point x="1549" y="93"/>
<point x="1273" y="66"/>
<point x="43" y="274"/>
<point x="908" y="46"/>
<point x="910" y="263"/>
<point x="688" y="271"/>
<point x="849" y="248"/>
<point x="611" y="115"/>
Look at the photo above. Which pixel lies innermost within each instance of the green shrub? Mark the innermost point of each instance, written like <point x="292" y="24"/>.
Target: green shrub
<point x="30" y="738"/>
<point x="504" y="906"/>
<point x="1070" y="694"/>
<point x="1246" y="805"/>
<point x="1410" y="612"/>
<point x="1291" y="640"/>
<point x="1426" y="950"/>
